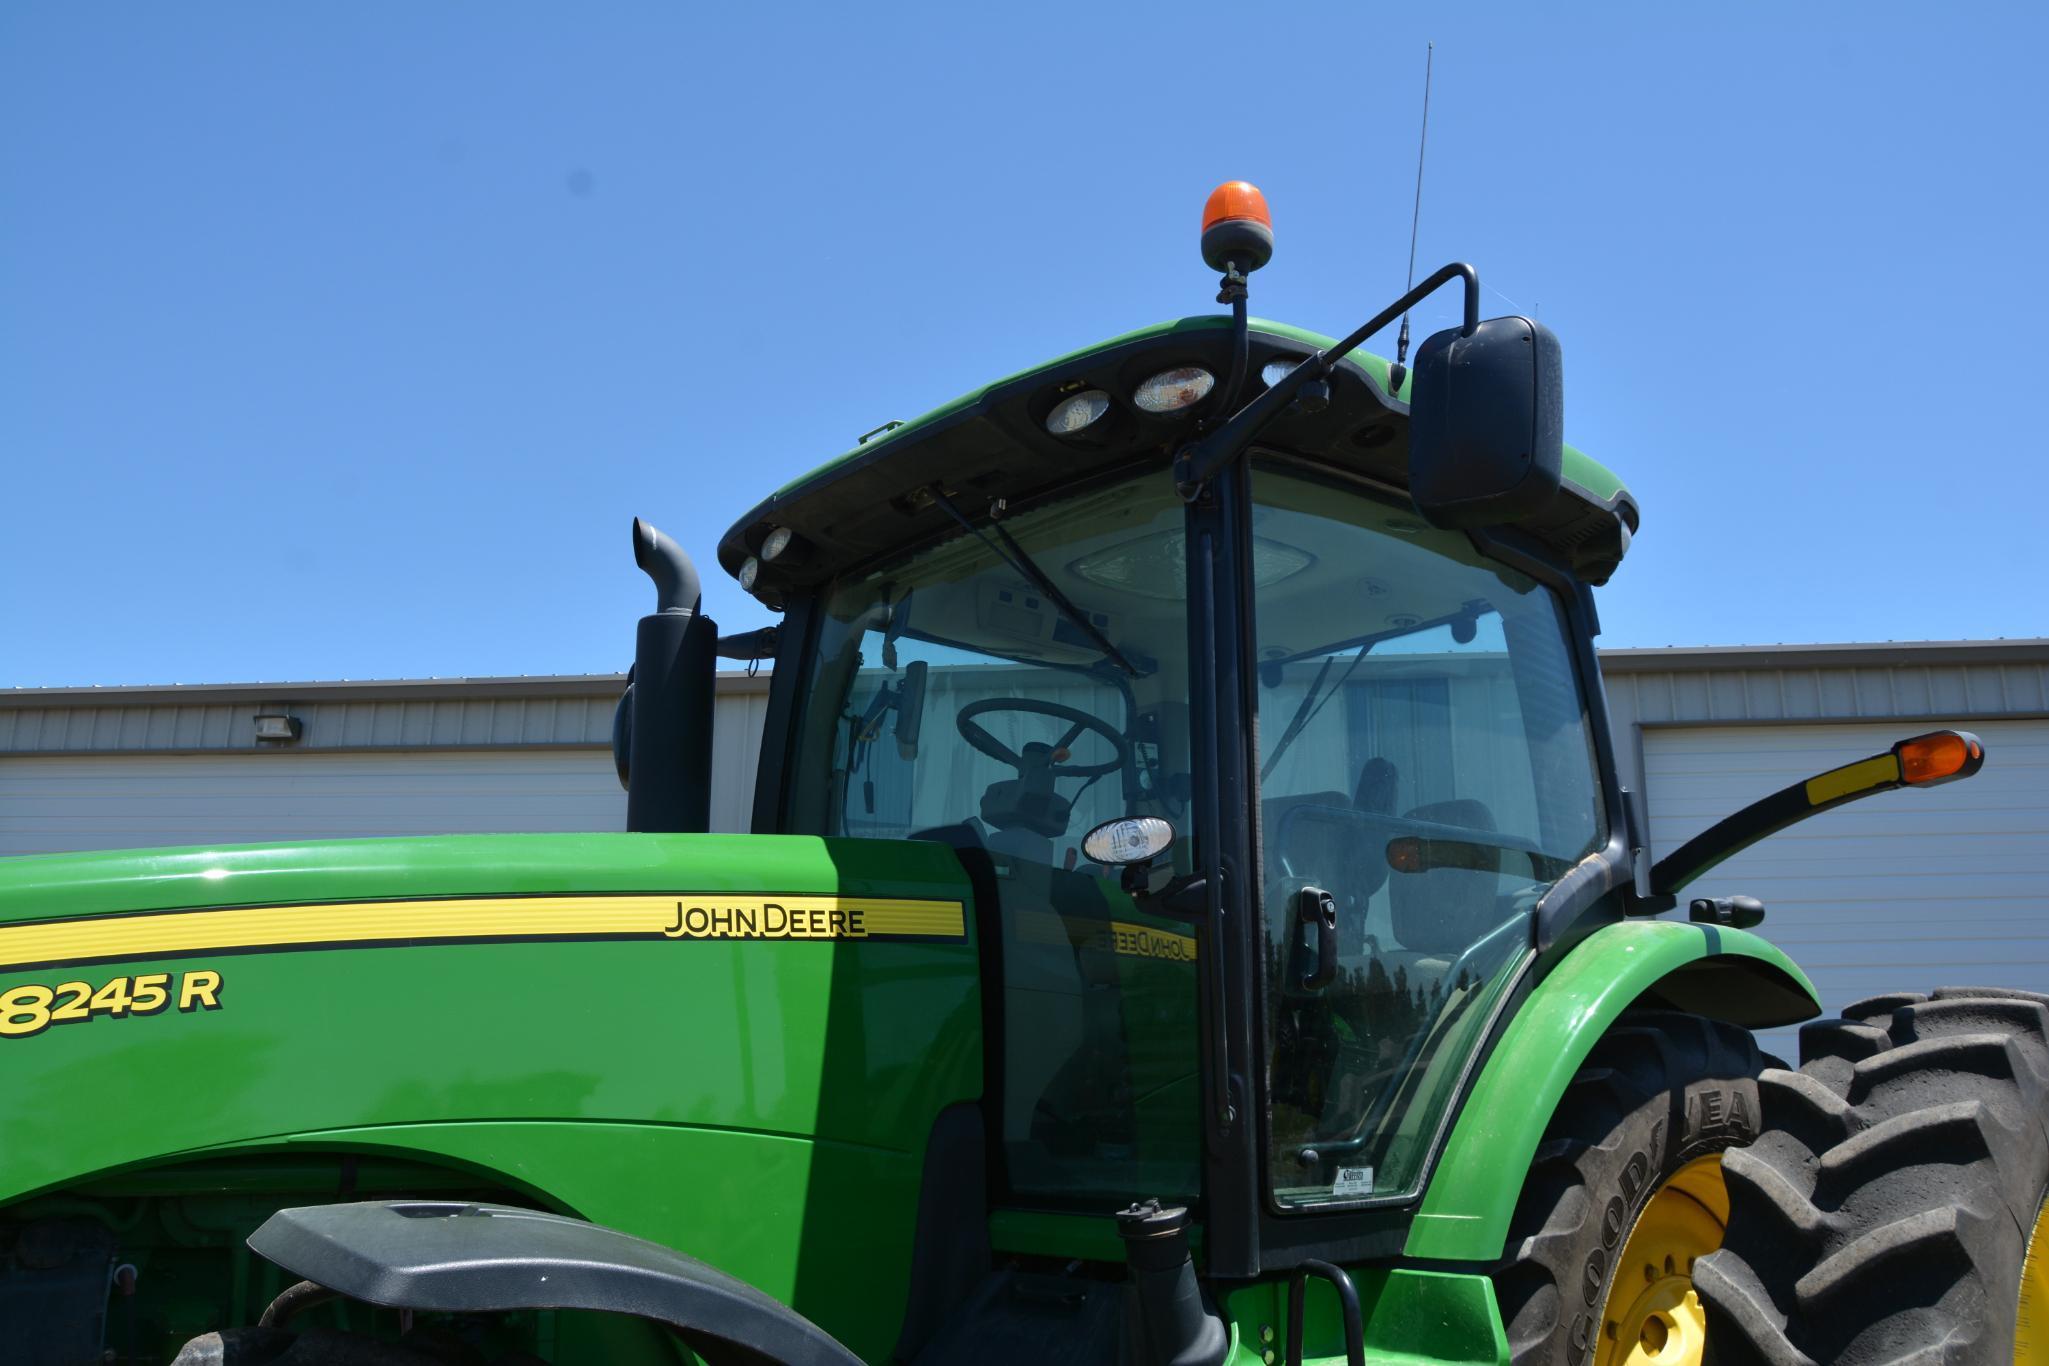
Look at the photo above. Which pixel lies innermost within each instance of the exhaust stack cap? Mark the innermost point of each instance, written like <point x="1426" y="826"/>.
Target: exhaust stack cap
<point x="677" y="589"/>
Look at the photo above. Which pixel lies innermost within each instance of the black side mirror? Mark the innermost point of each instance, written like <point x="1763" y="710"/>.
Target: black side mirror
<point x="1486" y="423"/>
<point x="910" y="708"/>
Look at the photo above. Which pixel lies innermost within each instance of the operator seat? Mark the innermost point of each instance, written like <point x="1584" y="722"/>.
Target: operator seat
<point x="1439" y="914"/>
<point x="1331" y="840"/>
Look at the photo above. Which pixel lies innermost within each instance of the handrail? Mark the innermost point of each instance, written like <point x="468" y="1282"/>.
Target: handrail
<point x="1348" y="1303"/>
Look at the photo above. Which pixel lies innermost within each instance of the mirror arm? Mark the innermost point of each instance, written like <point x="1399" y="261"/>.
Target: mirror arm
<point x="1824" y="792"/>
<point x="749" y="645"/>
<point x="1199" y="460"/>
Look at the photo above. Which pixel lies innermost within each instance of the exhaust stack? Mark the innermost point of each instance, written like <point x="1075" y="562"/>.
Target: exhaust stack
<point x="668" y="705"/>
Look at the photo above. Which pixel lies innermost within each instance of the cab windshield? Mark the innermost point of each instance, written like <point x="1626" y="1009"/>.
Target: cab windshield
<point x="1426" y="762"/>
<point x="953" y="698"/>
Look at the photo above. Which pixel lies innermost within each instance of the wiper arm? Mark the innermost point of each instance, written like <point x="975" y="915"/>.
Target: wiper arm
<point x="1013" y="554"/>
<point x="1305" y="713"/>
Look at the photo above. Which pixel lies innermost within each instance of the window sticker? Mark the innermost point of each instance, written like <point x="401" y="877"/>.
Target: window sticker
<point x="1353" y="1182"/>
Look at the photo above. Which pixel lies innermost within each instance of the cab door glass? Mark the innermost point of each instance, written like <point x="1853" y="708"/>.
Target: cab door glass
<point x="1426" y="772"/>
<point x="952" y="699"/>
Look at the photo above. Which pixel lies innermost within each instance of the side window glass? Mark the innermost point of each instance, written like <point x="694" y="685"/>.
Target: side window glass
<point x="1425" y="763"/>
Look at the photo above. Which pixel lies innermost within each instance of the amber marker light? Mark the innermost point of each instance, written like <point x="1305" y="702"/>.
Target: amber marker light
<point x="1939" y="757"/>
<point x="1237" y="229"/>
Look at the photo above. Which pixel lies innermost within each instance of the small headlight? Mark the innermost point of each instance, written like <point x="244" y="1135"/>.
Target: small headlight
<point x="775" y="543"/>
<point x="750" y="570"/>
<point x="1077" y="411"/>
<point x="1277" y="369"/>
<point x="1172" y="390"/>
<point x="1133" y="839"/>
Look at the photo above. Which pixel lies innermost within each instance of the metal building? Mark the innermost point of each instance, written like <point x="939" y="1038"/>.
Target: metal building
<point x="1905" y="888"/>
<point x="102" y="768"/>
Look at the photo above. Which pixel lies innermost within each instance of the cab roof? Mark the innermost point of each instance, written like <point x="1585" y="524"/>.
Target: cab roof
<point x="992" y="444"/>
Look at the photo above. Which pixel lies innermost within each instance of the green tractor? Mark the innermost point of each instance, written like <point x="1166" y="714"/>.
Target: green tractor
<point x="1191" y="916"/>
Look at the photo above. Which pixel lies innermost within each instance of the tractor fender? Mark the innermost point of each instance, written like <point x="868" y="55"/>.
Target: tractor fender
<point x="455" y="1257"/>
<point x="1726" y="974"/>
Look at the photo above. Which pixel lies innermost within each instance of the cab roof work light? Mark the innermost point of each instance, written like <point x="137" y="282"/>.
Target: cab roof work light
<point x="1941" y="756"/>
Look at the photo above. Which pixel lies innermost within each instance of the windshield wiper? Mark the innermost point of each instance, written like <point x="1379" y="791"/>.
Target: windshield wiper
<point x="1305" y="713"/>
<point x="1013" y="554"/>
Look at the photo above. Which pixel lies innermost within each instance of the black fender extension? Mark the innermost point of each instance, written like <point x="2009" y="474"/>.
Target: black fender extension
<point x="451" y="1257"/>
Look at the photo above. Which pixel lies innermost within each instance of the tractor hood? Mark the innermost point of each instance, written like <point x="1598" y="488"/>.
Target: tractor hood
<point x="680" y="979"/>
<point x="425" y="869"/>
<point x="677" y="1036"/>
<point x="993" y="443"/>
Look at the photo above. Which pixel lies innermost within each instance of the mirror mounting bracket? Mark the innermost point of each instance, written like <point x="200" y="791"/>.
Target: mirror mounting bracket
<point x="1196" y="463"/>
<point x="1184" y="898"/>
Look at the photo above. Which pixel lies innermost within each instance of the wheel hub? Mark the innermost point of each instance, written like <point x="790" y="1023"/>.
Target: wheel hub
<point x="1652" y="1316"/>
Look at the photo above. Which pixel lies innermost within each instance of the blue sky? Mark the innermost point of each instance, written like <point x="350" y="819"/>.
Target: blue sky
<point x="342" y="342"/>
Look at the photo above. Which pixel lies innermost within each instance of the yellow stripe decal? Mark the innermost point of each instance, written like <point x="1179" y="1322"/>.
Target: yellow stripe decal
<point x="679" y="915"/>
<point x="1861" y="776"/>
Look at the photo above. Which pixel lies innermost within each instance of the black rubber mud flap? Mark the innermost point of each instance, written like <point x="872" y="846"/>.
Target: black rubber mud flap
<point x="450" y="1257"/>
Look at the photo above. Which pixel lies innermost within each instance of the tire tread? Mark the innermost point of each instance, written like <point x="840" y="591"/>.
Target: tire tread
<point x="1880" y="1217"/>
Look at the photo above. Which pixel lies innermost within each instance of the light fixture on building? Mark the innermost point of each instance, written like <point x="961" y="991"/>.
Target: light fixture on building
<point x="277" y="728"/>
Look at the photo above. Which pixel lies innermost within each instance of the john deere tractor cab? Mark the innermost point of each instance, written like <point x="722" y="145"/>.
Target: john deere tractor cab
<point x="1191" y="915"/>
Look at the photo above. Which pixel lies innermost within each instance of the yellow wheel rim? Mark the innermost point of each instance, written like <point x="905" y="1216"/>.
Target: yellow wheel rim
<point x="2031" y="1325"/>
<point x="1652" y="1316"/>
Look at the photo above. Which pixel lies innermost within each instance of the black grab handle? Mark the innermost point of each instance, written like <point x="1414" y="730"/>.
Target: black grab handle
<point x="1348" y="1301"/>
<point x="1319" y="909"/>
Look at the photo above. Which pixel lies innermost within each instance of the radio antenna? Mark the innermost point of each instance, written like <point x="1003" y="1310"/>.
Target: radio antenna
<point x="1399" y="371"/>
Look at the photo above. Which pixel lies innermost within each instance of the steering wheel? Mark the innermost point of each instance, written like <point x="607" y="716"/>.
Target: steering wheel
<point x="988" y="744"/>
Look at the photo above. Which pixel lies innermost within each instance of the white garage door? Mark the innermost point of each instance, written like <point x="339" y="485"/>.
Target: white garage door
<point x="51" y="803"/>
<point x="1904" y="891"/>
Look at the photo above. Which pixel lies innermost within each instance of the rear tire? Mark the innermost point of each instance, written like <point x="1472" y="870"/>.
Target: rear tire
<point x="1887" y="1210"/>
<point x="1661" y="1096"/>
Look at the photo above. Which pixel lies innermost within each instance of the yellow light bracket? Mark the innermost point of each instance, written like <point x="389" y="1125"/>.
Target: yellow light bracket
<point x="1941" y="756"/>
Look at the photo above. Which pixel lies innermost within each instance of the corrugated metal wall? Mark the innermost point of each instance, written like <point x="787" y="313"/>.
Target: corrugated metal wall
<point x="126" y="768"/>
<point x="1904" y="891"/>
<point x="364" y="723"/>
<point x="1900" y="892"/>
<point x="1752" y="685"/>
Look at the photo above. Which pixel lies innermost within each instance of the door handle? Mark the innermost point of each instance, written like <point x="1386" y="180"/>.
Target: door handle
<point x="1319" y="909"/>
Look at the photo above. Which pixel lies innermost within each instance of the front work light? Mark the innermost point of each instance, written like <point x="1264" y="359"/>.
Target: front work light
<point x="1077" y="412"/>
<point x="750" y="570"/>
<point x="1172" y="390"/>
<point x="1278" y="369"/>
<point x="775" y="544"/>
<point x="1133" y="839"/>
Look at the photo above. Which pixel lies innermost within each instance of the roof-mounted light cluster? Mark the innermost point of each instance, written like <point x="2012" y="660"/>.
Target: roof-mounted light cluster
<point x="781" y="547"/>
<point x="1171" y="391"/>
<point x="1078" y="412"/>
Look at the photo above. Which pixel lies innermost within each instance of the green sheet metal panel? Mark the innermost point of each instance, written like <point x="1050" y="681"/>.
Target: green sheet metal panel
<point x="1472" y="1192"/>
<point x="750" y="1100"/>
